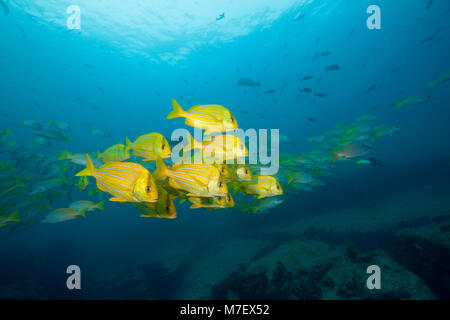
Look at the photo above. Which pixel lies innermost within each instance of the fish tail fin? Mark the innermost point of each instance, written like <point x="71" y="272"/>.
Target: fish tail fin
<point x="290" y="177"/>
<point x="99" y="155"/>
<point x="432" y="84"/>
<point x="177" y="110"/>
<point x="336" y="156"/>
<point x="64" y="154"/>
<point x="81" y="212"/>
<point x="398" y="104"/>
<point x="161" y="168"/>
<point x="128" y="144"/>
<point x="100" y="205"/>
<point x="14" y="217"/>
<point x="90" y="169"/>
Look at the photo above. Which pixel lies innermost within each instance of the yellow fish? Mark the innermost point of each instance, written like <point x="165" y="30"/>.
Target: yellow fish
<point x="198" y="180"/>
<point x="63" y="214"/>
<point x="13" y="217"/>
<point x="220" y="147"/>
<point x="211" y="117"/>
<point x="212" y="203"/>
<point x="262" y="186"/>
<point x="126" y="181"/>
<point x="117" y="152"/>
<point x="240" y="172"/>
<point x="223" y="169"/>
<point x="163" y="208"/>
<point x="150" y="145"/>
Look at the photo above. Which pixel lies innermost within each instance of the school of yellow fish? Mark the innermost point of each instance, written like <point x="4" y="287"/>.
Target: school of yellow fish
<point x="204" y="185"/>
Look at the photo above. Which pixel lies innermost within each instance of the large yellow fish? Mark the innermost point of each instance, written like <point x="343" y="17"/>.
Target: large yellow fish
<point x="262" y="186"/>
<point x="126" y="181"/>
<point x="220" y="147"/>
<point x="150" y="145"/>
<point x="117" y="152"/>
<point x="211" y="117"/>
<point x="163" y="208"/>
<point x="198" y="180"/>
<point x="212" y="203"/>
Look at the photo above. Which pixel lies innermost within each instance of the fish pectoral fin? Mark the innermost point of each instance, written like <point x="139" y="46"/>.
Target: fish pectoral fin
<point x="260" y="196"/>
<point x="195" y="206"/>
<point x="116" y="199"/>
<point x="147" y="216"/>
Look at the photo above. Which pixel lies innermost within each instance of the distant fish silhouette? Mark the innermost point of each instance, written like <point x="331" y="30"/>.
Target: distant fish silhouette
<point x="430" y="2"/>
<point x="222" y="16"/>
<point x="334" y="67"/>
<point x="320" y="94"/>
<point x="246" y="82"/>
<point x="308" y="77"/>
<point x="269" y="91"/>
<point x="432" y="36"/>
<point x="4" y="7"/>
<point x="312" y="119"/>
<point x="88" y="66"/>
<point x="371" y="88"/>
<point x="321" y="54"/>
<point x="350" y="34"/>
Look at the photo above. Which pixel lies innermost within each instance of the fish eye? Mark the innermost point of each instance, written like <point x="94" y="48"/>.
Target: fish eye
<point x="229" y="197"/>
<point x="219" y="198"/>
<point x="162" y="147"/>
<point x="246" y="171"/>
<point x="223" y="169"/>
<point x="278" y="187"/>
<point x="220" y="184"/>
<point x="148" y="189"/>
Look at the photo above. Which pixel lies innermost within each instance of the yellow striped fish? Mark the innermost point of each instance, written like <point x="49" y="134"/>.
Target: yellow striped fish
<point x="117" y="152"/>
<point x="262" y="186"/>
<point x="220" y="147"/>
<point x="148" y="146"/>
<point x="212" y="203"/>
<point x="198" y="180"/>
<point x="126" y="181"/>
<point x="222" y="167"/>
<point x="163" y="208"/>
<point x="211" y="117"/>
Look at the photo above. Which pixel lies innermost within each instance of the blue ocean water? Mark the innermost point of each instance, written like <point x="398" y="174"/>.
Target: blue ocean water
<point x="119" y="72"/>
